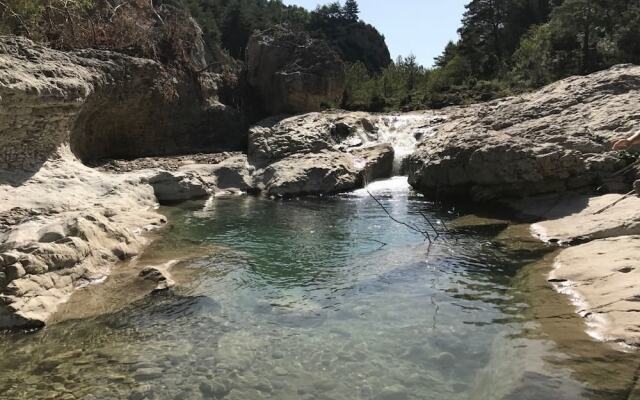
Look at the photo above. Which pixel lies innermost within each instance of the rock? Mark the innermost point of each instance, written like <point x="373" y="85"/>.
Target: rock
<point x="589" y="218"/>
<point x="176" y="187"/>
<point x="143" y="392"/>
<point x="159" y="275"/>
<point x="244" y="394"/>
<point x="45" y="273"/>
<point x="233" y="174"/>
<point x="14" y="271"/>
<point x="325" y="172"/>
<point x="293" y="73"/>
<point x="9" y="258"/>
<point x="377" y="161"/>
<point x="553" y="140"/>
<point x="51" y="233"/>
<point x="603" y="277"/>
<point x="272" y="140"/>
<point x="148" y="374"/>
<point x="213" y="389"/>
<point x="275" y="138"/>
<point x="359" y="42"/>
<point x="394" y="392"/>
<point x="33" y="265"/>
<point x="106" y="105"/>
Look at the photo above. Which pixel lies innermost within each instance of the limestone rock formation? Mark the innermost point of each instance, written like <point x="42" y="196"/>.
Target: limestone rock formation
<point x="36" y="276"/>
<point x="289" y="153"/>
<point x="293" y="73"/>
<point x="377" y="161"/>
<point x="106" y="105"/>
<point x="231" y="175"/>
<point x="601" y="277"/>
<point x="317" y="173"/>
<point x="552" y="140"/>
<point x="176" y="187"/>
<point x="369" y="140"/>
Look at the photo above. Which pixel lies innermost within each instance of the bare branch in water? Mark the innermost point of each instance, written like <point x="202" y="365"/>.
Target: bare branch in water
<point x="381" y="243"/>
<point x="431" y="225"/>
<point x="413" y="228"/>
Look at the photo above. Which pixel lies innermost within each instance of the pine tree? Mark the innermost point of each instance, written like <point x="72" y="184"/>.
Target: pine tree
<point x="351" y="10"/>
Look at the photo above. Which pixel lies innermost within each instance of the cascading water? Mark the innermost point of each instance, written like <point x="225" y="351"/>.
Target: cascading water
<point x="403" y="133"/>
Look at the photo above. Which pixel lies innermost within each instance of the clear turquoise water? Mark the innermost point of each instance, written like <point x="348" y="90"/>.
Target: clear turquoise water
<point x="327" y="298"/>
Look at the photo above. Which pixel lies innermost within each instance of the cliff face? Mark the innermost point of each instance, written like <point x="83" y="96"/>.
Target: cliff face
<point x="293" y="73"/>
<point x="106" y="105"/>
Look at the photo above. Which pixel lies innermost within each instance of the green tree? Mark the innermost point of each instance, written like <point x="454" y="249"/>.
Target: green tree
<point x="351" y="10"/>
<point x="450" y="51"/>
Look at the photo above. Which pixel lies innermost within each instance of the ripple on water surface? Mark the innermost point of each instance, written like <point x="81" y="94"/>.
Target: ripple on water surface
<point x="327" y="299"/>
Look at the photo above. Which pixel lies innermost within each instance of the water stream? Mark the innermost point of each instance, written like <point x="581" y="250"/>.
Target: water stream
<point x="326" y="298"/>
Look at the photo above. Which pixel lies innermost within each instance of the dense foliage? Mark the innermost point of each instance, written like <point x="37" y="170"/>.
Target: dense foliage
<point x="507" y="46"/>
<point x="230" y="23"/>
<point x="504" y="46"/>
<point x="157" y="30"/>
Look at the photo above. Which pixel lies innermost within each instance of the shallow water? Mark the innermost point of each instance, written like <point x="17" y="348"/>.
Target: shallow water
<point x="327" y="298"/>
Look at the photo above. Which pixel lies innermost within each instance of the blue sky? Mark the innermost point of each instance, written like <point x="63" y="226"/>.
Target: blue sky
<point x="421" y="27"/>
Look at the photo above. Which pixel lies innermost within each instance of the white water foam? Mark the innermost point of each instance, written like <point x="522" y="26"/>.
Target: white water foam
<point x="404" y="132"/>
<point x="395" y="185"/>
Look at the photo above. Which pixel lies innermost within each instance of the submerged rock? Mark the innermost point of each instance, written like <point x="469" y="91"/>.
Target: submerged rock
<point x="552" y="140"/>
<point x="159" y="275"/>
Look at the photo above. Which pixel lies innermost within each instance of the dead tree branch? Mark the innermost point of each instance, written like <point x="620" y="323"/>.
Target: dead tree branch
<point x="411" y="227"/>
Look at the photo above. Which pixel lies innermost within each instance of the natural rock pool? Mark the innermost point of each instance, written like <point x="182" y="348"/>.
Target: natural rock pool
<point x="326" y="298"/>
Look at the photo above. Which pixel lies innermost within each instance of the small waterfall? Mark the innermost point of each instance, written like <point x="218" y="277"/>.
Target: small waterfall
<point x="403" y="132"/>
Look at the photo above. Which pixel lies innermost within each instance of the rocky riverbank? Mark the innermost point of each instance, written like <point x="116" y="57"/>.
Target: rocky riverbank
<point x="89" y="142"/>
<point x="66" y="216"/>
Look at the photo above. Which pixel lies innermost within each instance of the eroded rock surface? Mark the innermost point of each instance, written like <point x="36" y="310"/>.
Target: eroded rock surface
<point x="601" y="277"/>
<point x="552" y="140"/>
<point x="600" y="272"/>
<point x="92" y="220"/>
<point x="106" y="105"/>
<point x="592" y="218"/>
<point x="358" y="147"/>
<point x="317" y="173"/>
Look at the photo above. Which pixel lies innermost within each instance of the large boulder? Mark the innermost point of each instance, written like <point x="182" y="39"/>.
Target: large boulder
<point x="374" y="144"/>
<point x="231" y="175"/>
<point x="276" y="138"/>
<point x="320" y="173"/>
<point x="377" y="161"/>
<point x="172" y="187"/>
<point x="293" y="73"/>
<point x="105" y="105"/>
<point x="552" y="140"/>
